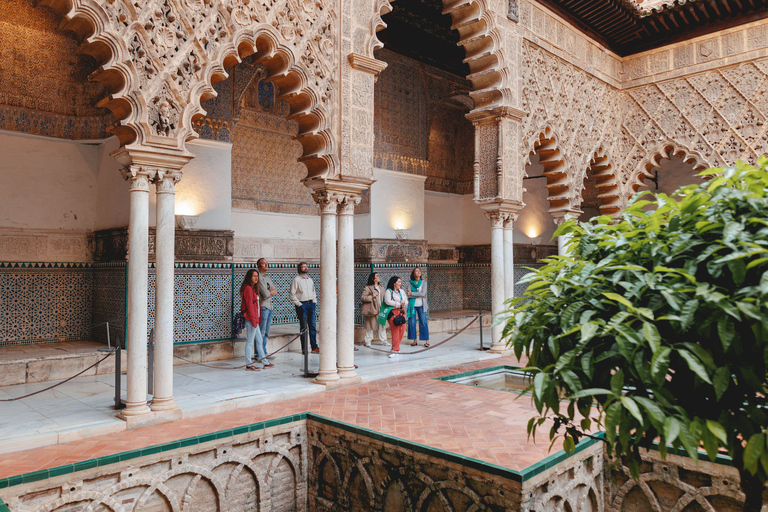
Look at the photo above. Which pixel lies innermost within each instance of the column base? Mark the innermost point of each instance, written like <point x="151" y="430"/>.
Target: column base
<point x="501" y="349"/>
<point x="151" y="418"/>
<point x="326" y="379"/>
<point x="132" y="410"/>
<point x="349" y="374"/>
<point x="163" y="404"/>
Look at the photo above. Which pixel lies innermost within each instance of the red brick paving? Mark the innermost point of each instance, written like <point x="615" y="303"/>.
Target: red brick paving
<point x="483" y="424"/>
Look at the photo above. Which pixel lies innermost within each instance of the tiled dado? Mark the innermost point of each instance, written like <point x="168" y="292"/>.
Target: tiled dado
<point x="45" y="302"/>
<point x="72" y="301"/>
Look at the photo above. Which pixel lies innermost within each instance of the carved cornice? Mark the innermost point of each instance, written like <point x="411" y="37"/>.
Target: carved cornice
<point x="366" y="64"/>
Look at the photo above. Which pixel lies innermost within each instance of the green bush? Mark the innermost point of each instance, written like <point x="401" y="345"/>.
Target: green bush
<point x="655" y="327"/>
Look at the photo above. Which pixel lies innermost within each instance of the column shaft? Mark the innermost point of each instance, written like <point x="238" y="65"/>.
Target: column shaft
<point x="509" y="259"/>
<point x="164" y="280"/>
<point x="497" y="278"/>
<point x="346" y="285"/>
<point x="138" y="250"/>
<point x="327" y="342"/>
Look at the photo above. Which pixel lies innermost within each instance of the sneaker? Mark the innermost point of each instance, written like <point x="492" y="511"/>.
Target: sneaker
<point x="268" y="365"/>
<point x="367" y="343"/>
<point x="252" y="368"/>
<point x="394" y="355"/>
<point x="315" y="350"/>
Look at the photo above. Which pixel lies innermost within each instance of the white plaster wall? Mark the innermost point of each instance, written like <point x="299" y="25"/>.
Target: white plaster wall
<point x="476" y="228"/>
<point x="362" y="225"/>
<point x="112" y="201"/>
<point x="443" y="218"/>
<point x="205" y="189"/>
<point x="397" y="199"/>
<point x="534" y="219"/>
<point x="47" y="183"/>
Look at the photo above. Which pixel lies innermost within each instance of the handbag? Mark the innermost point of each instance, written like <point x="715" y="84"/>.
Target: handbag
<point x="238" y="324"/>
<point x="399" y="320"/>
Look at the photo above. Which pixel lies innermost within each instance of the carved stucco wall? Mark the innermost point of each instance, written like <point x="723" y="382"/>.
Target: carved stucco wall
<point x="706" y="116"/>
<point x="420" y="126"/>
<point x="43" y="85"/>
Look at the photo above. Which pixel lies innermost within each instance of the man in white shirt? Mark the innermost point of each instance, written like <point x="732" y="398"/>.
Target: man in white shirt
<point x="304" y="298"/>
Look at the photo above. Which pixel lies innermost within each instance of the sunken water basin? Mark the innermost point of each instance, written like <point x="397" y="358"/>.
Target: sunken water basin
<point x="501" y="378"/>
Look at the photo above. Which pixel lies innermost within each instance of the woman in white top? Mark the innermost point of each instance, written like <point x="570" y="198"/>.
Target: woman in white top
<point x="396" y="299"/>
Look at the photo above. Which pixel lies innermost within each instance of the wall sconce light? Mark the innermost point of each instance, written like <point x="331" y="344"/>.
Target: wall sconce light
<point x="536" y="240"/>
<point x="186" y="221"/>
<point x="401" y="234"/>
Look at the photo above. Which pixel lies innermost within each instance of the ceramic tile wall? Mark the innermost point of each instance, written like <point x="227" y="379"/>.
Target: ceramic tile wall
<point x="45" y="302"/>
<point x="205" y="297"/>
<point x="109" y="302"/>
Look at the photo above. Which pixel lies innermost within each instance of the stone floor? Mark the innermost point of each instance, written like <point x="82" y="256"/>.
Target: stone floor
<point x="82" y="408"/>
<point x="482" y="424"/>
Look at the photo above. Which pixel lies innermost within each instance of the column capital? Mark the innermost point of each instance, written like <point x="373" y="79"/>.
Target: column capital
<point x="165" y="181"/>
<point x="510" y="220"/>
<point x="138" y="176"/>
<point x="348" y="202"/>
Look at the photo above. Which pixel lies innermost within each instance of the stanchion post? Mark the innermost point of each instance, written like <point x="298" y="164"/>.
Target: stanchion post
<point x="480" y="314"/>
<point x="151" y="363"/>
<point x="118" y="370"/>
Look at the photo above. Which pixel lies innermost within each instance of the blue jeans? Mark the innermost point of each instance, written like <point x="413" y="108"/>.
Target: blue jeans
<point x="251" y="334"/>
<point x="423" y="328"/>
<point x="265" y="324"/>
<point x="306" y="314"/>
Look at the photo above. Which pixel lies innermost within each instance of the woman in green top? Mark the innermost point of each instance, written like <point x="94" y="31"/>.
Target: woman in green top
<point x="417" y="303"/>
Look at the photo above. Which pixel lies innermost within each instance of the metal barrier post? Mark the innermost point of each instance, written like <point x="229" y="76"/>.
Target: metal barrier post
<point x="118" y="370"/>
<point x="151" y="363"/>
<point x="480" y="314"/>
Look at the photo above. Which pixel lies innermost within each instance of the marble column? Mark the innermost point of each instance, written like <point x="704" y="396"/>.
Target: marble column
<point x="138" y="276"/>
<point x="164" y="280"/>
<point x="509" y="258"/>
<point x="497" y="276"/>
<point x="327" y="336"/>
<point x="346" y="287"/>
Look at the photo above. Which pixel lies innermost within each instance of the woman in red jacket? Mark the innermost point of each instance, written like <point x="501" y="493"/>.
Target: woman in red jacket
<point x="249" y="296"/>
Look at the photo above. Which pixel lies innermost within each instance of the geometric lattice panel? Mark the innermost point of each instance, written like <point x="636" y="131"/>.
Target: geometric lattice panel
<point x="45" y="302"/>
<point x="109" y="282"/>
<point x="202" y="302"/>
<point x="446" y="287"/>
<point x="477" y="286"/>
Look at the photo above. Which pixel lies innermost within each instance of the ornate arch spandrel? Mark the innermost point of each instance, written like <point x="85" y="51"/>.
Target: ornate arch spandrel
<point x="159" y="58"/>
<point x="653" y="158"/>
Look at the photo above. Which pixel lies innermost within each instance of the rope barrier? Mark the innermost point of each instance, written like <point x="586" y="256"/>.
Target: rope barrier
<point x="218" y="367"/>
<point x="435" y="345"/>
<point x="62" y="382"/>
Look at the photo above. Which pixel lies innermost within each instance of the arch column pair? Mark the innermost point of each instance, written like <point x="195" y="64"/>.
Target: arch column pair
<point x="142" y="167"/>
<point x="337" y="200"/>
<point x="498" y="178"/>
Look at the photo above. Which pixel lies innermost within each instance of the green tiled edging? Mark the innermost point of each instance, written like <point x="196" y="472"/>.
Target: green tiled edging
<point x="518" y="476"/>
<point x="450" y="378"/>
<point x="44" y="474"/>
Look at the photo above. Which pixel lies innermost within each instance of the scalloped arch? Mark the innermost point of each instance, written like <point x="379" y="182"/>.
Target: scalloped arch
<point x="601" y="169"/>
<point x="156" y="96"/>
<point x="664" y="151"/>
<point x="547" y="145"/>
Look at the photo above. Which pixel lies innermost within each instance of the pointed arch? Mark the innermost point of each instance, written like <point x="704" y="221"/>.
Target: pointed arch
<point x="664" y="151"/>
